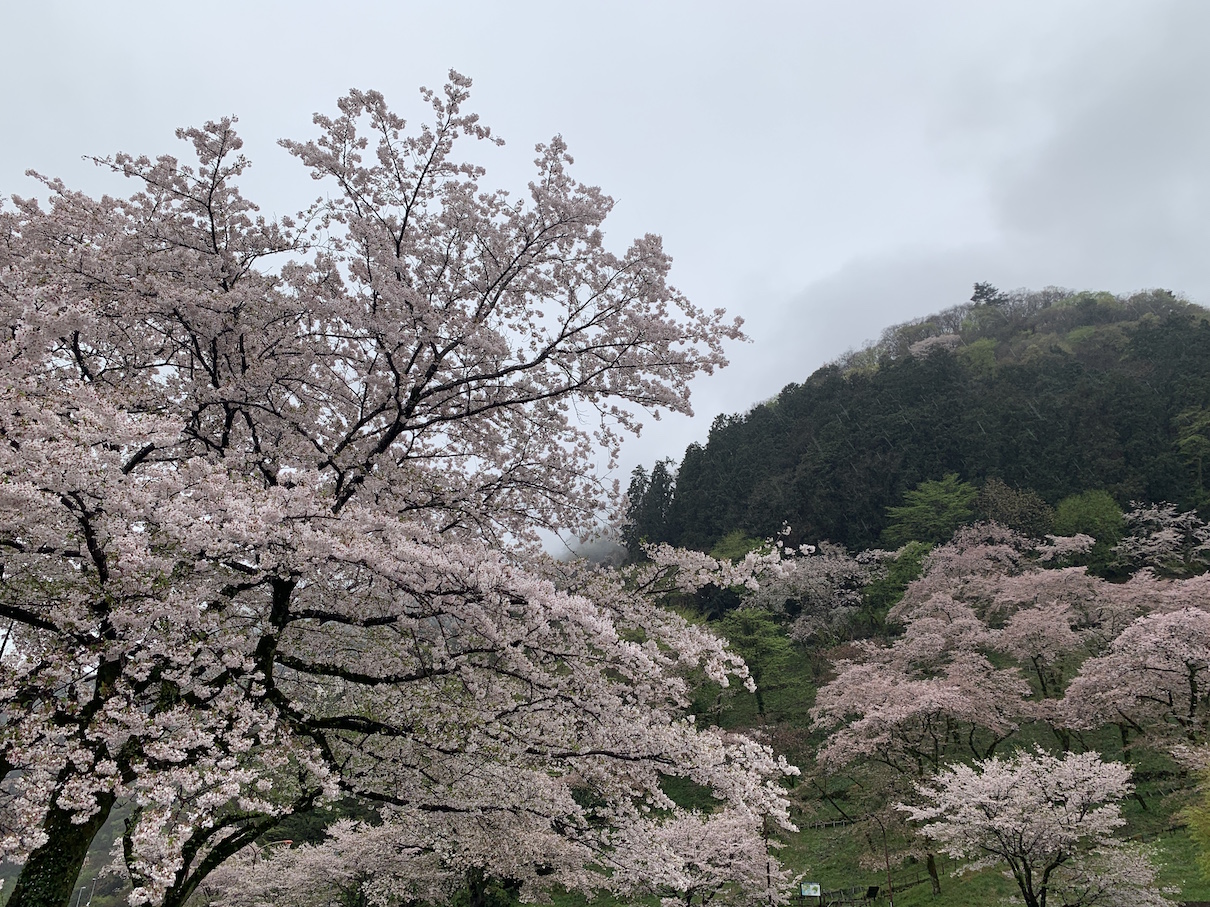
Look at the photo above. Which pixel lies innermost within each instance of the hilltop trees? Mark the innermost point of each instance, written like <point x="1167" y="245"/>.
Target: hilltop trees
<point x="1193" y="442"/>
<point x="1047" y="394"/>
<point x="1023" y="511"/>
<point x="267" y="489"/>
<point x="649" y="498"/>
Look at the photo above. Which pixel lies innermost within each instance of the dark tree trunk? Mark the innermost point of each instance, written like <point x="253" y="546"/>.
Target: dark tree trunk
<point x="194" y="871"/>
<point x="931" y="863"/>
<point x="476" y="884"/>
<point x="1064" y="737"/>
<point x="48" y="877"/>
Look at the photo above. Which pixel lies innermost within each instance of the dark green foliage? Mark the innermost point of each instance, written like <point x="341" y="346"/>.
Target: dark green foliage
<point x="688" y="794"/>
<point x="1093" y="513"/>
<point x="713" y="602"/>
<point x="649" y="498"/>
<point x="1022" y="510"/>
<point x="480" y="890"/>
<point x="930" y="512"/>
<point x="986" y="293"/>
<point x="885" y="592"/>
<point x="1193" y="443"/>
<point x="1049" y="392"/>
<point x="310" y="826"/>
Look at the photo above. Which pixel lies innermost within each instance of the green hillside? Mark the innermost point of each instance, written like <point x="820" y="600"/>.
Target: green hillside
<point x="1051" y="392"/>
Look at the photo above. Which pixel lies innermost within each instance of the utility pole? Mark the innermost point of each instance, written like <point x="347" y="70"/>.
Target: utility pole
<point x="886" y="856"/>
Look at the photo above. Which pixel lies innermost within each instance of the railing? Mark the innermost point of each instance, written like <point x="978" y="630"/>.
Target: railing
<point x="859" y="894"/>
<point x="832" y="823"/>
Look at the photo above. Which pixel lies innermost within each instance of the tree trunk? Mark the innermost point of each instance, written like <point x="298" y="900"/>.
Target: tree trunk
<point x="931" y="863"/>
<point x="48" y="877"/>
<point x="194" y="871"/>
<point x="1064" y="737"/>
<point x="1025" y="882"/>
<point x="476" y="883"/>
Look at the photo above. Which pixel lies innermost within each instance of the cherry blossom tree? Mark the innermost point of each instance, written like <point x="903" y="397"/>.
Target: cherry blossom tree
<point x="695" y="860"/>
<point x="270" y="490"/>
<point x="1050" y="820"/>
<point x="922" y="700"/>
<point x="1043" y="636"/>
<point x="969" y="568"/>
<point x="1155" y="677"/>
<point x="1168" y="541"/>
<point x="821" y="591"/>
<point x="1087" y="653"/>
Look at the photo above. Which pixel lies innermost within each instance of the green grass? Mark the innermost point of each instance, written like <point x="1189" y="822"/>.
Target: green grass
<point x="833" y="858"/>
<point x="1177" y="856"/>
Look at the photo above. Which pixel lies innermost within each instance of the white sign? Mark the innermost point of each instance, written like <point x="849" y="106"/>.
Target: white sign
<point x="809" y="890"/>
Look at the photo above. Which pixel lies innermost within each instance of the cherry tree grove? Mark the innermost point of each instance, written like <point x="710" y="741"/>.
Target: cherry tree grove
<point x="269" y="496"/>
<point x="1083" y="653"/>
<point x="998" y="635"/>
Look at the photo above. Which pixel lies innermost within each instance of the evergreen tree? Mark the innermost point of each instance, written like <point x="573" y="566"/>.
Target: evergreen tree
<point x="649" y="499"/>
<point x="931" y="512"/>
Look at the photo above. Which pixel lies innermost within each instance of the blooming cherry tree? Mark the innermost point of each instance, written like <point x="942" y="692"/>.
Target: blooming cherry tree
<point x="1050" y="820"/>
<point x="921" y="701"/>
<point x="269" y="498"/>
<point x="695" y="860"/>
<point x="820" y="589"/>
<point x="1165" y="540"/>
<point x="1155" y="678"/>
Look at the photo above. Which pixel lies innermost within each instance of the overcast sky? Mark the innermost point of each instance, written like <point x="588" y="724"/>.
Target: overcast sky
<point x="822" y="169"/>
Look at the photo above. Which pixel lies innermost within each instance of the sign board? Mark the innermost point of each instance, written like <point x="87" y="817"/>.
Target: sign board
<point x="808" y="890"/>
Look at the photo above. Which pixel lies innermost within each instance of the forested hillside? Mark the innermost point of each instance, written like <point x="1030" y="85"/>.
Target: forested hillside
<point x="1053" y="393"/>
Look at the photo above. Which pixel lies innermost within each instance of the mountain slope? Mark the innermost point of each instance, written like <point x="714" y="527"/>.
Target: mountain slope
<point x="1051" y="391"/>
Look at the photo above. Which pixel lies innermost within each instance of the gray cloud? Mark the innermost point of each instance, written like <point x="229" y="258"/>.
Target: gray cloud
<point x="822" y="169"/>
